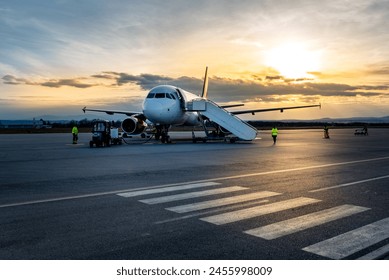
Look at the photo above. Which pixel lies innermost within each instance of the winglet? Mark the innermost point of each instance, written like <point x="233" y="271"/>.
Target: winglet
<point x="204" y="94"/>
<point x="84" y="109"/>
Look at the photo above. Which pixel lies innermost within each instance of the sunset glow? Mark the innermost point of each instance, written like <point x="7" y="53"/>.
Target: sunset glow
<point x="59" y="56"/>
<point x="293" y="60"/>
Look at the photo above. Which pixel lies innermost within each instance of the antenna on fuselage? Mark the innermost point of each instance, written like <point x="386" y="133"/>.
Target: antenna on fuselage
<point x="204" y="94"/>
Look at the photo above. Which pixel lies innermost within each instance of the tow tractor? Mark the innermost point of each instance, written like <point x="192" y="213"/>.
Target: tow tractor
<point x="104" y="135"/>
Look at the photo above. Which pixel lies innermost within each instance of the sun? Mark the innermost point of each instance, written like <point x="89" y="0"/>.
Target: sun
<point x="293" y="60"/>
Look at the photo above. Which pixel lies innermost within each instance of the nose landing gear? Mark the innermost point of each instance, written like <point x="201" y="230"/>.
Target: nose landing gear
<point x="162" y="134"/>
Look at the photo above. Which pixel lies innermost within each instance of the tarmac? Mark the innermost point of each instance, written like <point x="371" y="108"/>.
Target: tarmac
<point x="303" y="198"/>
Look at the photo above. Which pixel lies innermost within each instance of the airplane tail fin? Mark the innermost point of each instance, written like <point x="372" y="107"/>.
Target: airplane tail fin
<point x="204" y="94"/>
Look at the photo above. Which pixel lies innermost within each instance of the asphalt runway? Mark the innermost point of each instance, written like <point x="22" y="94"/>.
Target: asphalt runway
<point x="304" y="198"/>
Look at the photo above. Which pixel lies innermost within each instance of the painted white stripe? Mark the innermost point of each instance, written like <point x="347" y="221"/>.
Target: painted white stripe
<point x="293" y="169"/>
<point x="220" y="202"/>
<point x="64" y="198"/>
<point x="383" y="251"/>
<point x="167" y="189"/>
<point x="209" y="212"/>
<point x="351" y="183"/>
<point x="257" y="211"/>
<point x="290" y="226"/>
<point x="176" y="197"/>
<point x="351" y="242"/>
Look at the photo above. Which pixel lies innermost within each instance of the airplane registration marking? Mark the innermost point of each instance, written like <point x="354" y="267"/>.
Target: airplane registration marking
<point x="300" y="223"/>
<point x="351" y="242"/>
<point x="257" y="211"/>
<point x="183" y="196"/>
<point x="221" y="202"/>
<point x="167" y="189"/>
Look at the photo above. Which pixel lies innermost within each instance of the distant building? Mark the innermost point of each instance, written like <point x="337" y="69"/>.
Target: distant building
<point x="23" y="124"/>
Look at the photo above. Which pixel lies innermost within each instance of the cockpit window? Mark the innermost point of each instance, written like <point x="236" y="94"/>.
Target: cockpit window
<point x="159" y="95"/>
<point x="170" y="96"/>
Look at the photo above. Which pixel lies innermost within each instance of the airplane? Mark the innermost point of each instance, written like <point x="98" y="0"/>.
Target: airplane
<point x="167" y="105"/>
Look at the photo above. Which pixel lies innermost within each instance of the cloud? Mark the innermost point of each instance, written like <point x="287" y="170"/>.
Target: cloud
<point x="271" y="78"/>
<point x="379" y="70"/>
<point x="148" y="81"/>
<point x="221" y="89"/>
<point x="145" y="81"/>
<point x="12" y="80"/>
<point x="66" y="82"/>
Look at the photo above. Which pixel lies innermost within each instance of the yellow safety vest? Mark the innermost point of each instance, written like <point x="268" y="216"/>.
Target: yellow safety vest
<point x="274" y="131"/>
<point x="75" y="130"/>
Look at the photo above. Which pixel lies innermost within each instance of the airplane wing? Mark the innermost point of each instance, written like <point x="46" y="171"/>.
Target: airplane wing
<point x="281" y="109"/>
<point x="231" y="105"/>
<point x="111" y="112"/>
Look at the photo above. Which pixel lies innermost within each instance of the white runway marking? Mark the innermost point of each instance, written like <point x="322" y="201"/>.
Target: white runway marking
<point x="350" y="184"/>
<point x="383" y="251"/>
<point x="64" y="198"/>
<point x="351" y="242"/>
<point x="167" y="189"/>
<point x="209" y="212"/>
<point x="220" y="202"/>
<point x="292" y="169"/>
<point x="183" y="196"/>
<point x="257" y="211"/>
<point x="290" y="226"/>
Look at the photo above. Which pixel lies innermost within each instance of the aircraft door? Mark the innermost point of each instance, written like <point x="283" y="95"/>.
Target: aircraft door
<point x="181" y="99"/>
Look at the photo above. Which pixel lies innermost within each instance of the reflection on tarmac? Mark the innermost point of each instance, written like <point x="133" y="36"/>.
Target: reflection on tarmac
<point x="304" y="198"/>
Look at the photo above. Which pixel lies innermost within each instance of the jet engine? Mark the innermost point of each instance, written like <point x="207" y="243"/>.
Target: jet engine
<point x="134" y="125"/>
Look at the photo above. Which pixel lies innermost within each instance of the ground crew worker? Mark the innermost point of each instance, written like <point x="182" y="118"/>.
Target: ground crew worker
<point x="274" y="133"/>
<point x="326" y="135"/>
<point x="75" y="134"/>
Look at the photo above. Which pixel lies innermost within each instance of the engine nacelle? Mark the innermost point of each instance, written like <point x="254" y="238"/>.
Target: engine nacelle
<point x="133" y="125"/>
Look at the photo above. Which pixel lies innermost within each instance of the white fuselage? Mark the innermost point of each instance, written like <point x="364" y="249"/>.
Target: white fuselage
<point x="166" y="105"/>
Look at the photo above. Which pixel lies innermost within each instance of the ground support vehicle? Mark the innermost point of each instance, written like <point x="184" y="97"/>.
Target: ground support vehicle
<point x="362" y="131"/>
<point x="104" y="135"/>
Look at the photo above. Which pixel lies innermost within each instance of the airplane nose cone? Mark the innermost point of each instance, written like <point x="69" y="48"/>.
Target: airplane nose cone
<point x="152" y="109"/>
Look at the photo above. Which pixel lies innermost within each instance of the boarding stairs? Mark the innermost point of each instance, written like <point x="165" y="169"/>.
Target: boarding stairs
<point x="222" y="117"/>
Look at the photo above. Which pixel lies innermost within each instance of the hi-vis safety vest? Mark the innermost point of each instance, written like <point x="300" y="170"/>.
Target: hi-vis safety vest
<point x="75" y="130"/>
<point x="274" y="131"/>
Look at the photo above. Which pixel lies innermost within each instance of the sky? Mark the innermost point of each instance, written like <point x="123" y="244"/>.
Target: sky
<point x="61" y="55"/>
